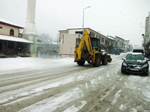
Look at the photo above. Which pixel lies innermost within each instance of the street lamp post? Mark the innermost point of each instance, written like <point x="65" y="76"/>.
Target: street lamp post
<point x="83" y="17"/>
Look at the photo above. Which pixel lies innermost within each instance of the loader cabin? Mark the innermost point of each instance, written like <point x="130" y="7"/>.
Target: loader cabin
<point x="94" y="41"/>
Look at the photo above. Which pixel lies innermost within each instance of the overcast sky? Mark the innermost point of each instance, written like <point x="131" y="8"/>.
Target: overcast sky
<point x="122" y="18"/>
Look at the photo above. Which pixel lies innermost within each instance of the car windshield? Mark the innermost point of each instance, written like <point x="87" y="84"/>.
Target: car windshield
<point x="134" y="57"/>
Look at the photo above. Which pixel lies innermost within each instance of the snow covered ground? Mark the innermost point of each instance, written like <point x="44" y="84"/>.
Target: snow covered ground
<point x="60" y="85"/>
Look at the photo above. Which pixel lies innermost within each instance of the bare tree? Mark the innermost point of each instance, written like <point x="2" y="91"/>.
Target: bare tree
<point x="45" y="38"/>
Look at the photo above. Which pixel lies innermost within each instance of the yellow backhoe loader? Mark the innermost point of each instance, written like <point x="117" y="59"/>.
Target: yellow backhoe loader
<point x="89" y="49"/>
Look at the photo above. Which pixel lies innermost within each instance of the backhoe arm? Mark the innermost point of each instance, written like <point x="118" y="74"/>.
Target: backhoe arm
<point x="86" y="40"/>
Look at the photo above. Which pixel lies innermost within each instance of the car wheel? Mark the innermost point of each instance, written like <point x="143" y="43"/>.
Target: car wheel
<point x="147" y="73"/>
<point x="122" y="71"/>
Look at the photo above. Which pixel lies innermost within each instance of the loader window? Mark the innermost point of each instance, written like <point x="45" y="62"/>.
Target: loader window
<point x="99" y="47"/>
<point x="95" y="43"/>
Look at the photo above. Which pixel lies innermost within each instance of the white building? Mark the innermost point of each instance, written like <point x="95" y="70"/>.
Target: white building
<point x="147" y="30"/>
<point x="120" y="43"/>
<point x="126" y="42"/>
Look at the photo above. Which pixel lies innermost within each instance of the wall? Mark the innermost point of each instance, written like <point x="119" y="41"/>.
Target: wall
<point x="5" y="30"/>
<point x="94" y="34"/>
<point x="66" y="49"/>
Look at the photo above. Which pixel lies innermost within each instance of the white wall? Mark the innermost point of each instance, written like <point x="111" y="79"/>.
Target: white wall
<point x="66" y="49"/>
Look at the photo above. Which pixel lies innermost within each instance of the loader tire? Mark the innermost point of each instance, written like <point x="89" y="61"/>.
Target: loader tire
<point x="80" y="63"/>
<point x="104" y="60"/>
<point x="97" y="60"/>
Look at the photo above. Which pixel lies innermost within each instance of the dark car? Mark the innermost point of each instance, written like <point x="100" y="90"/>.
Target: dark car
<point x="135" y="63"/>
<point x="117" y="53"/>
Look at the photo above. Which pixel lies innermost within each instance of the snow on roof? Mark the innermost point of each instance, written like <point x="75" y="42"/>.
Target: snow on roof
<point x="135" y="53"/>
<point x="8" y="22"/>
<point x="16" y="39"/>
<point x="138" y="47"/>
<point x="110" y="37"/>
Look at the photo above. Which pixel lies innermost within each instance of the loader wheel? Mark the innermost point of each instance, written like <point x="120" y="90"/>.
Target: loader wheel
<point x="80" y="63"/>
<point x="105" y="60"/>
<point x="97" y="61"/>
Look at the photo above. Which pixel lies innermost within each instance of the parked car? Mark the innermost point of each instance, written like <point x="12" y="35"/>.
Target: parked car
<point x="135" y="63"/>
<point x="124" y="51"/>
<point x="117" y="53"/>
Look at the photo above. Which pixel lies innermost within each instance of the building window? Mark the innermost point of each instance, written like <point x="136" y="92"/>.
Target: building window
<point x="97" y="36"/>
<point x="102" y="39"/>
<point x="12" y="32"/>
<point x="91" y="34"/>
<point x="20" y="35"/>
<point x="79" y="32"/>
<point x="106" y="42"/>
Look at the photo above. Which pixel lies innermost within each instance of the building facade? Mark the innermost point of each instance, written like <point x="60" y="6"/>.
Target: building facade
<point x="68" y="39"/>
<point x="112" y="44"/>
<point x="11" y="42"/>
<point x="127" y="46"/>
<point x="120" y="43"/>
<point x="146" y="36"/>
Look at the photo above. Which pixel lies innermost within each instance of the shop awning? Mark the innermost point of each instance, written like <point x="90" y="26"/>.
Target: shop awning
<point x="15" y="39"/>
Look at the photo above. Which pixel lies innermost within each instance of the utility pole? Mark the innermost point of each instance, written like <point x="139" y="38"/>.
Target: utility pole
<point x="83" y="18"/>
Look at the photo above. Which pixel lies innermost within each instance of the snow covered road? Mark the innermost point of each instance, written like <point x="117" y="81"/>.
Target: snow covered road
<point x="60" y="85"/>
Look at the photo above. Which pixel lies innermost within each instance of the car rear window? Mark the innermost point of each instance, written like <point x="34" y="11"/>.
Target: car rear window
<point x="138" y="50"/>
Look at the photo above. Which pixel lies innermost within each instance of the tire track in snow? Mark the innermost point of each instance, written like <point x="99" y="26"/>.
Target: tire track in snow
<point x="34" y="78"/>
<point x="104" y="98"/>
<point x="23" y="98"/>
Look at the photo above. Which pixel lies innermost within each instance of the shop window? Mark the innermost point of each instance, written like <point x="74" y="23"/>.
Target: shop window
<point x="12" y="32"/>
<point x="10" y="45"/>
<point x="20" y="47"/>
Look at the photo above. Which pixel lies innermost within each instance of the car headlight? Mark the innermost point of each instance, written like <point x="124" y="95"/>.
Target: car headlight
<point x="145" y="65"/>
<point x="124" y="64"/>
